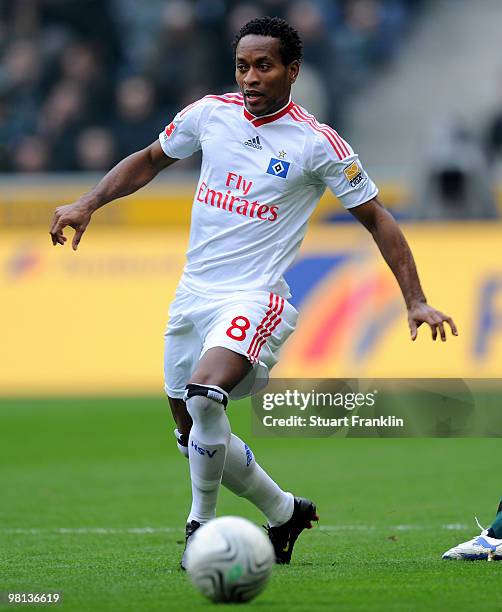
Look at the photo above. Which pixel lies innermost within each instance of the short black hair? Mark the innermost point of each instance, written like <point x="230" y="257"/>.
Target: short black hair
<point x="290" y="45"/>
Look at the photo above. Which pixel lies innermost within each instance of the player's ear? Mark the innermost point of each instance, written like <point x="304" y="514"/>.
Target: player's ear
<point x="293" y="70"/>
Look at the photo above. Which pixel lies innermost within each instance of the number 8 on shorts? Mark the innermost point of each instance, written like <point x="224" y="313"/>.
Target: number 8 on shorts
<point x="238" y="327"/>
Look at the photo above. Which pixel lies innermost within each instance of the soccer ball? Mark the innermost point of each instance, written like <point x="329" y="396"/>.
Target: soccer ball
<point x="229" y="559"/>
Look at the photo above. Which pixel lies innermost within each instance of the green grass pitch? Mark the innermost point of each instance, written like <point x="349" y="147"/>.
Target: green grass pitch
<point x="94" y="496"/>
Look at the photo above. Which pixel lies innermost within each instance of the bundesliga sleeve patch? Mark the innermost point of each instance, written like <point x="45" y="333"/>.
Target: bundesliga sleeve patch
<point x="354" y="174"/>
<point x="278" y="167"/>
<point x="169" y="130"/>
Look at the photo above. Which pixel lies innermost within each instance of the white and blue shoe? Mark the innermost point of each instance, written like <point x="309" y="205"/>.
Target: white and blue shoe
<point x="480" y="548"/>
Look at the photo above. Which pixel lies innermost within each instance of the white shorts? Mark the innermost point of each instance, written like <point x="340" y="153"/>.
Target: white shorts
<point x="254" y="324"/>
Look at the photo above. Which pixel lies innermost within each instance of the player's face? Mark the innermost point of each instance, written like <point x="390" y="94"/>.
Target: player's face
<point x="263" y="79"/>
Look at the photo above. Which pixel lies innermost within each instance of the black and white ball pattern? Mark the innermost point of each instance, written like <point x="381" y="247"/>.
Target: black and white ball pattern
<point x="229" y="559"/>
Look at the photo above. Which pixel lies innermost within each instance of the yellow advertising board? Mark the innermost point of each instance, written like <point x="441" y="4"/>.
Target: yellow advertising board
<point x="92" y="321"/>
<point x="167" y="202"/>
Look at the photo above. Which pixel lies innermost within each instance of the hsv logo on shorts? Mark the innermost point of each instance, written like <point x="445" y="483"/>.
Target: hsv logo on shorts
<point x="278" y="167"/>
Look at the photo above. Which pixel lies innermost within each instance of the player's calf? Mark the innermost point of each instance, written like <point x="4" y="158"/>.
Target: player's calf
<point x="207" y="447"/>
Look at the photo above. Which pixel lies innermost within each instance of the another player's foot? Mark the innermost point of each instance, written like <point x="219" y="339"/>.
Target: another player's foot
<point x="190" y="529"/>
<point x="283" y="537"/>
<point x="480" y="548"/>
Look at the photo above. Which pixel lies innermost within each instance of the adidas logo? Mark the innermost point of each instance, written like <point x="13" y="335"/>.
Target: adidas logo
<point x="254" y="142"/>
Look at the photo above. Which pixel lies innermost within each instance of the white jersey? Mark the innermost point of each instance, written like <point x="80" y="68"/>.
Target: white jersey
<point x="260" y="180"/>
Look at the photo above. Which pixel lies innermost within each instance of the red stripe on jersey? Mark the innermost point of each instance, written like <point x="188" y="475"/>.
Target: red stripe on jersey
<point x="343" y="145"/>
<point x="298" y="115"/>
<point x="333" y="138"/>
<point x="233" y="94"/>
<point x="271" y="307"/>
<point x="327" y="128"/>
<point x="301" y="119"/>
<point x="227" y="100"/>
<point x="270" y="315"/>
<point x="257" y="121"/>
<point x="271" y="326"/>
<point x="190" y="106"/>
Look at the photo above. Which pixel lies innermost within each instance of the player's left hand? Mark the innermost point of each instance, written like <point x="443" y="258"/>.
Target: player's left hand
<point x="423" y="313"/>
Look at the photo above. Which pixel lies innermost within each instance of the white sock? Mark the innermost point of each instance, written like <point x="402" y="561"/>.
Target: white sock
<point x="244" y="477"/>
<point x="207" y="448"/>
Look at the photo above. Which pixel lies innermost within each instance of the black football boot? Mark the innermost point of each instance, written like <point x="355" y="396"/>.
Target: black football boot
<point x="283" y="537"/>
<point x="190" y="529"/>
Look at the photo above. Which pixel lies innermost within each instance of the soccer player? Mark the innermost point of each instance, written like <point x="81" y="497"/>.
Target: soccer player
<point x="266" y="162"/>
<point x="485" y="547"/>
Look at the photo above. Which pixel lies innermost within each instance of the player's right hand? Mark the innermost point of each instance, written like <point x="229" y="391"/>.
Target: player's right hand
<point x="75" y="215"/>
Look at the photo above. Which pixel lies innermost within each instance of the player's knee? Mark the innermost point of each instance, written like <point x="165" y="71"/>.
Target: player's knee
<point x="203" y="378"/>
<point x="205" y="402"/>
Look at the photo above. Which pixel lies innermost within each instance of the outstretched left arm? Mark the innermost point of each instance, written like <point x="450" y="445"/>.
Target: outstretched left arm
<point x="396" y="252"/>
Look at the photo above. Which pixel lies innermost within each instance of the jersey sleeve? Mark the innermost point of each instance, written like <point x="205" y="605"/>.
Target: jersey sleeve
<point x="182" y="137"/>
<point x="337" y="166"/>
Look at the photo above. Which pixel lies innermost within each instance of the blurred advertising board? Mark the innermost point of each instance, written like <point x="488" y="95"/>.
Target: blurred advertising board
<point x="92" y="321"/>
<point x="30" y="201"/>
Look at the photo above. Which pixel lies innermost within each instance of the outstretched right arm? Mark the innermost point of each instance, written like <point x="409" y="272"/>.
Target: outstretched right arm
<point x="125" y="178"/>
